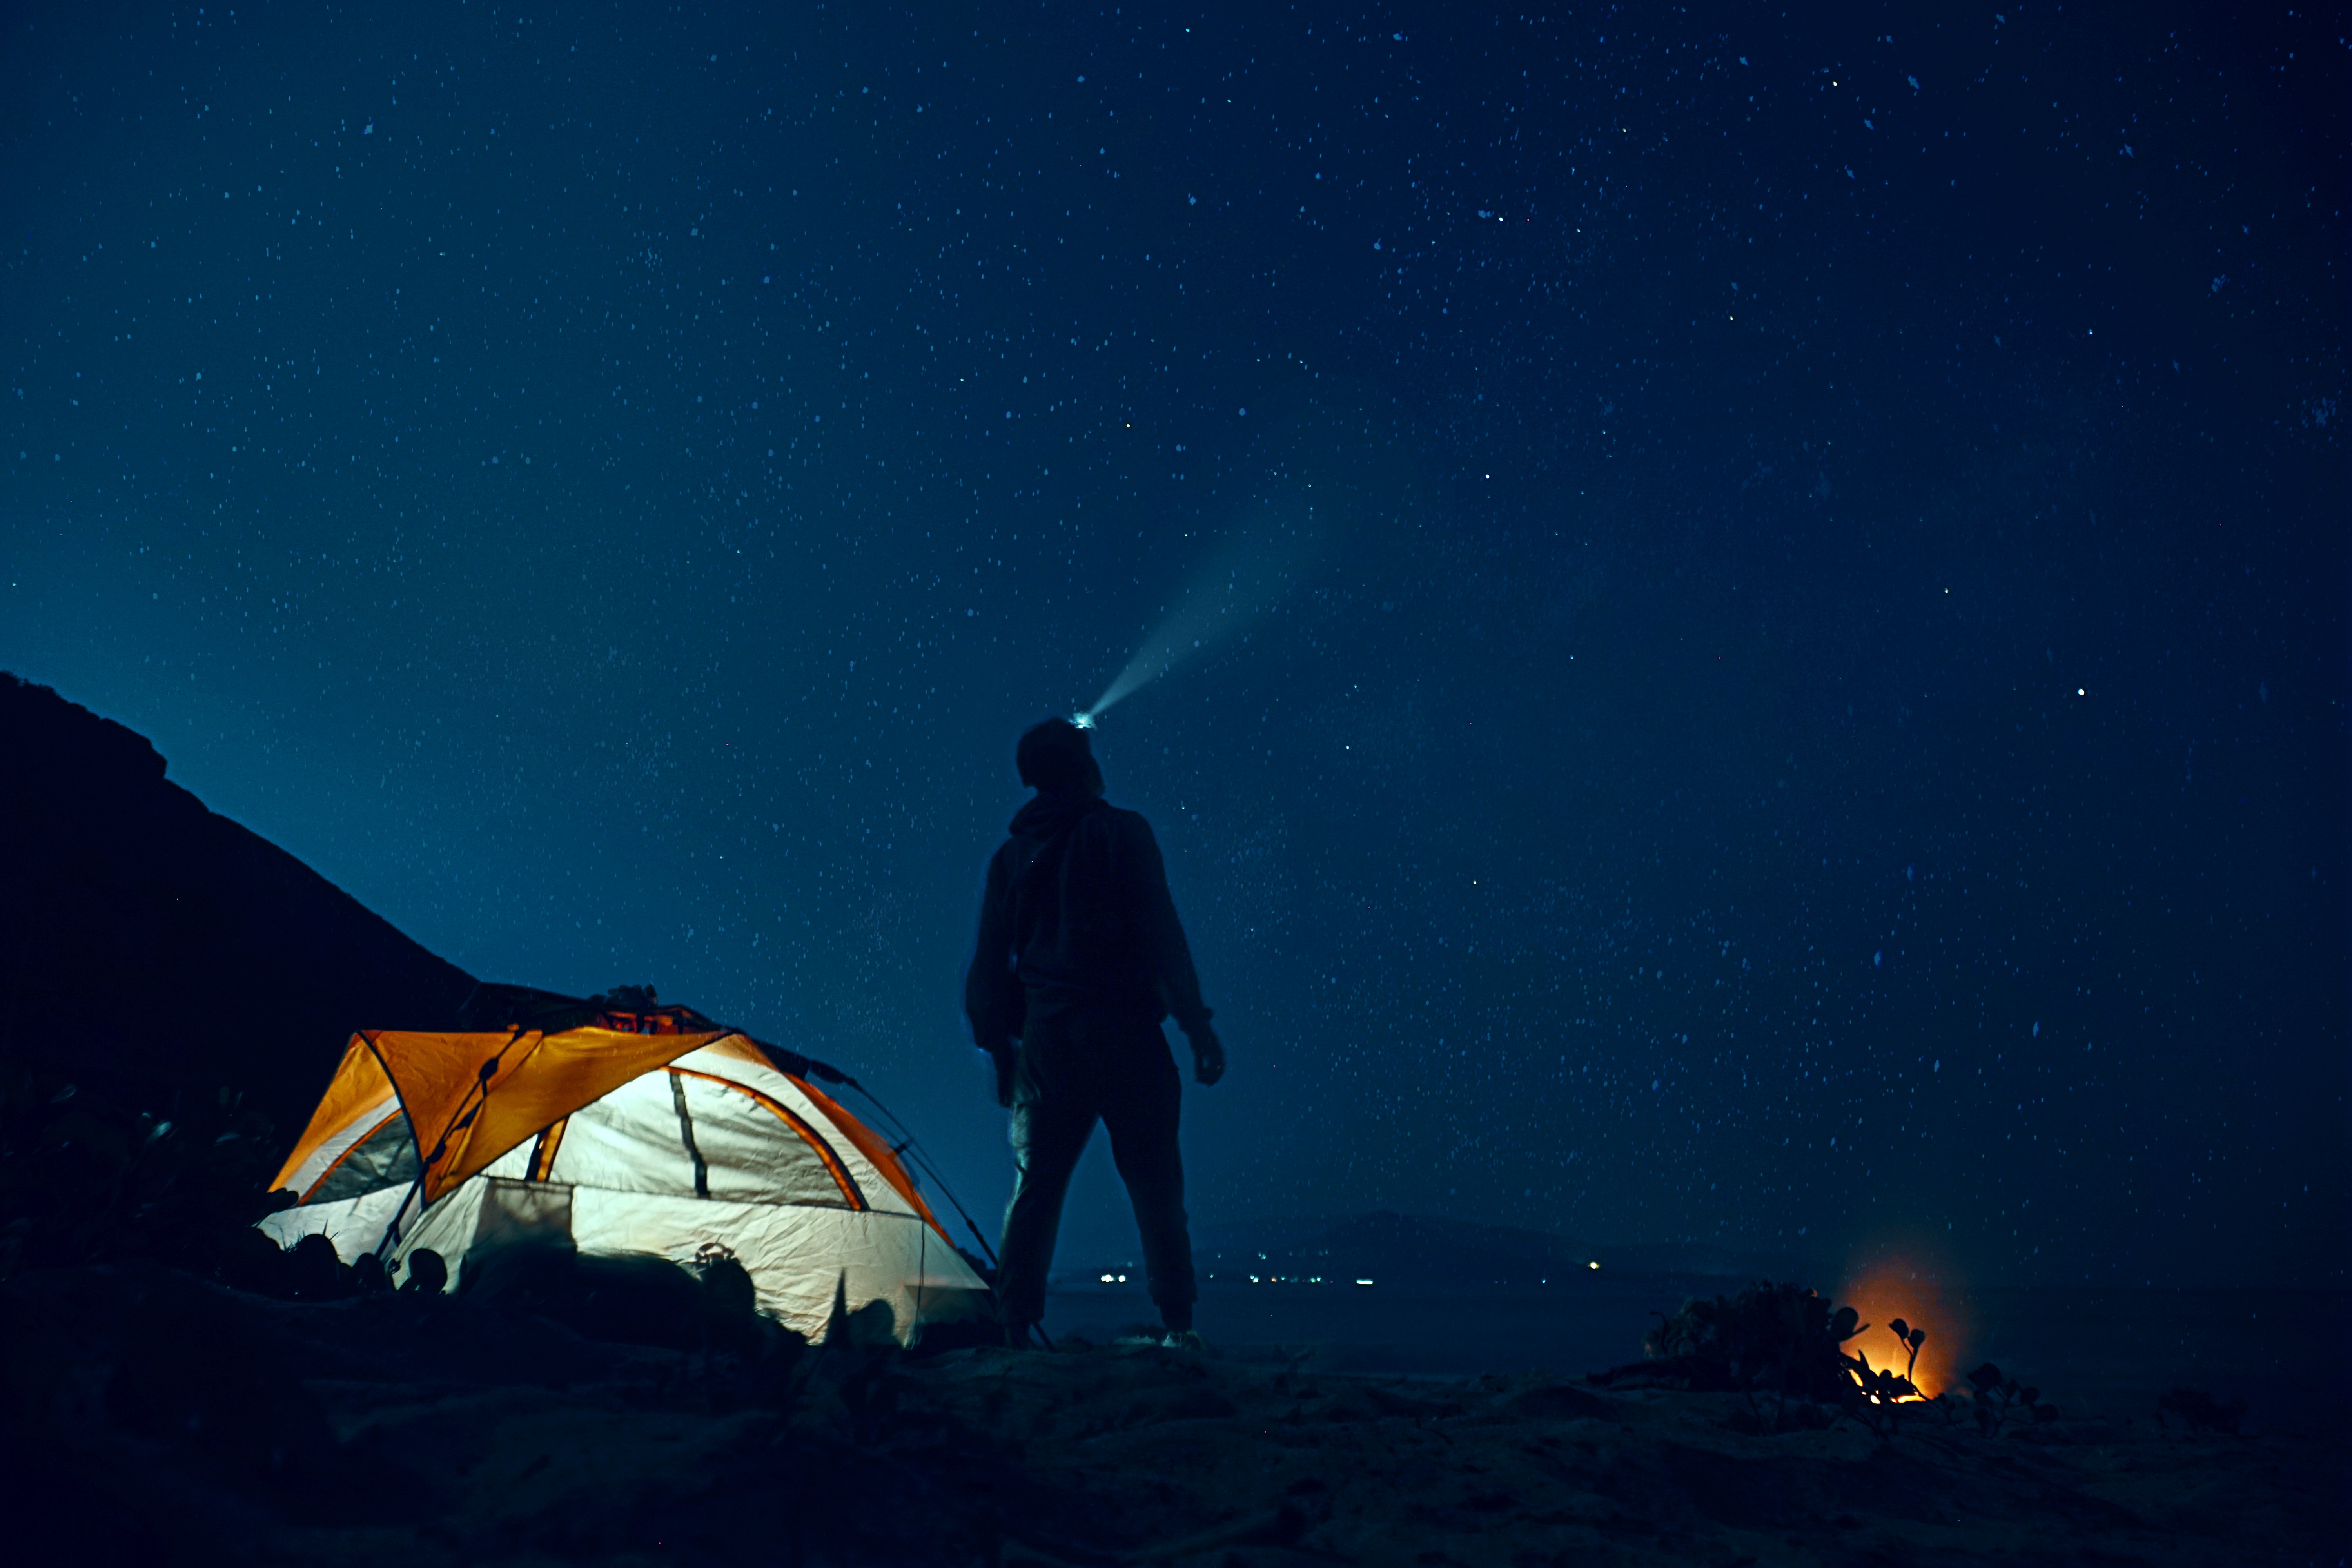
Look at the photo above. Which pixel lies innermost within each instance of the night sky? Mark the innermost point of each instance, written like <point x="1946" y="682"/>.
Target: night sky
<point x="1786" y="667"/>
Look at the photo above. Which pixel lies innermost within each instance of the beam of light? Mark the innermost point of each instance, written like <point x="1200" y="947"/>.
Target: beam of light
<point x="1241" y="583"/>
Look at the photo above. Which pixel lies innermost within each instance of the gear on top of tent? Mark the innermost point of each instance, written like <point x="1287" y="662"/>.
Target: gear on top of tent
<point x="618" y="1126"/>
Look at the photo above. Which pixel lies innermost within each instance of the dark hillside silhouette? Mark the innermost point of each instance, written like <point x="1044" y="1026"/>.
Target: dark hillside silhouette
<point x="146" y="942"/>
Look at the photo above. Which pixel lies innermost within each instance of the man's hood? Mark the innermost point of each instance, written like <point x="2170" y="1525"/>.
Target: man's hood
<point x="1051" y="811"/>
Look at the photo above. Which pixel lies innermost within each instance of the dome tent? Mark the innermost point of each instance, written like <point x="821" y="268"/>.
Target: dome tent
<point x="620" y="1129"/>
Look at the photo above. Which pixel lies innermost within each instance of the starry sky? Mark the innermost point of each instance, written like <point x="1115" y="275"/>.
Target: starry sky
<point x="1774" y="667"/>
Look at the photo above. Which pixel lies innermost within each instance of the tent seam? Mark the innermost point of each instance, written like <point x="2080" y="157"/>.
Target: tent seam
<point x="825" y="1151"/>
<point x="686" y="1133"/>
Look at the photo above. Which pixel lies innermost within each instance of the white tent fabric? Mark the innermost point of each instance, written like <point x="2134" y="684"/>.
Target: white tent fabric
<point x="715" y="1150"/>
<point x="353" y="1224"/>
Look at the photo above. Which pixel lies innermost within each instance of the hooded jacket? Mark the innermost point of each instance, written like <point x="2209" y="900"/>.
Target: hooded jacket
<point x="1078" y="913"/>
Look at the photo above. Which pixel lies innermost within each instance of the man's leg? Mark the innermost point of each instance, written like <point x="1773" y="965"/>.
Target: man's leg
<point x="1141" y="1112"/>
<point x="1049" y="1132"/>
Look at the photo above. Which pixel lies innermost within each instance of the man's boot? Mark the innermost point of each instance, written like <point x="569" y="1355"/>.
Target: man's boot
<point x="1177" y="1318"/>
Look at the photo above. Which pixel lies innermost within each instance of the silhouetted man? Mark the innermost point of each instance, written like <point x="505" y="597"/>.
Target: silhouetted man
<point x="1080" y="957"/>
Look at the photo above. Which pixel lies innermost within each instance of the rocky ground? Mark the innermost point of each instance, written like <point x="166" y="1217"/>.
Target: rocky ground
<point x="156" y="1417"/>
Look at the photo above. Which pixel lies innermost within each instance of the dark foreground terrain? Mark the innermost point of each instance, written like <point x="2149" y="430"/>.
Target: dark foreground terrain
<point x="153" y="1416"/>
<point x="2106" y="1353"/>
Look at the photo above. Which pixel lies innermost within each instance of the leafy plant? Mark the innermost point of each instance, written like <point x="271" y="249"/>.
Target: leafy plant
<point x="1880" y="1395"/>
<point x="1912" y="1338"/>
<point x="2001" y="1399"/>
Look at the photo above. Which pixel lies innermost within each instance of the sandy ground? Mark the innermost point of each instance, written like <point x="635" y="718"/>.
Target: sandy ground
<point x="156" y="1418"/>
<point x="2105" y="1351"/>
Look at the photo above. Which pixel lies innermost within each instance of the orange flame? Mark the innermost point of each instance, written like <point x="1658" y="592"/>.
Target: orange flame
<point x="1888" y="1288"/>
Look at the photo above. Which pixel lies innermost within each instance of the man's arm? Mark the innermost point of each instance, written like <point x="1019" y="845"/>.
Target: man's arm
<point x="1171" y="957"/>
<point x="991" y="993"/>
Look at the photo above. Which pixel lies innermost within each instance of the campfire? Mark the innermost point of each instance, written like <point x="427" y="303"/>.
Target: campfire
<point x="1894" y="1289"/>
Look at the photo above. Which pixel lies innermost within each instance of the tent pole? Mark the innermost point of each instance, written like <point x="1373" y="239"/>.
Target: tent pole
<point x="424" y="1163"/>
<point x="392" y="1229"/>
<point x="928" y="1169"/>
<point x="985" y="1247"/>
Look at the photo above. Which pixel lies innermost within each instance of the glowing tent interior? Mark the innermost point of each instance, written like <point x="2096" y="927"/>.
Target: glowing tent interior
<point x="651" y="1132"/>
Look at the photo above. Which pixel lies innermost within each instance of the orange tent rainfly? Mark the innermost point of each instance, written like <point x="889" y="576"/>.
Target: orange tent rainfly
<point x="651" y="1131"/>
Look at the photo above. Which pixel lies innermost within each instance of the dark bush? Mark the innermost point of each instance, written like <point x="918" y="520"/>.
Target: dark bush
<point x="250" y="1260"/>
<point x="316" y="1271"/>
<point x="1786" y="1342"/>
<point x="84" y="1178"/>
<point x="2201" y="1410"/>
<point x="1770" y="1338"/>
<point x="2001" y="1399"/>
<point x="628" y="1298"/>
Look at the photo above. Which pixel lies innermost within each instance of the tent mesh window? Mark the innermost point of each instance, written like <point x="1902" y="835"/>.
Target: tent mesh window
<point x="384" y="1158"/>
